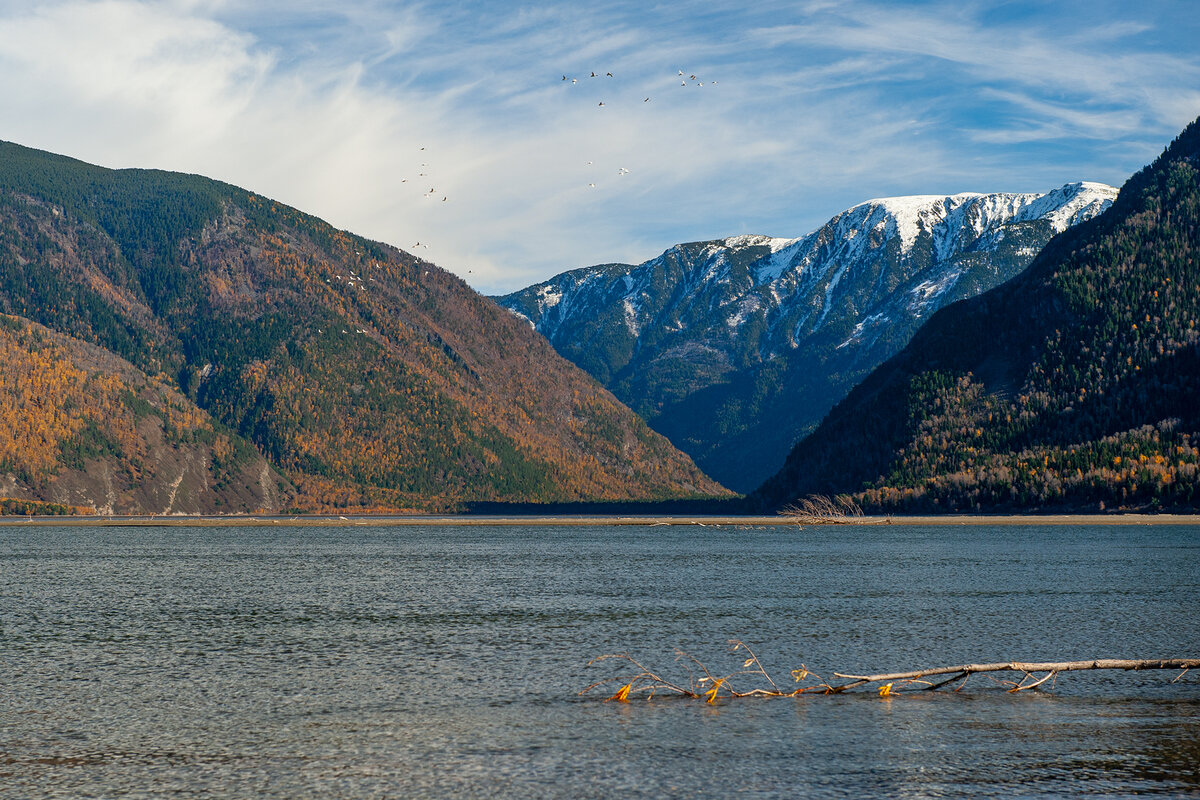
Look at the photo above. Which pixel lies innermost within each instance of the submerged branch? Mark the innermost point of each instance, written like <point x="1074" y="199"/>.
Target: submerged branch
<point x="1028" y="668"/>
<point x="642" y="681"/>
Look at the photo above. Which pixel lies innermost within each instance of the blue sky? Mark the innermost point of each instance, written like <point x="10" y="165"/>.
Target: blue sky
<point x="806" y="108"/>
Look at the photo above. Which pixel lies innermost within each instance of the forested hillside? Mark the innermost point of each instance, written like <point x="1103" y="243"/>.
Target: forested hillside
<point x="85" y="429"/>
<point x="1076" y="385"/>
<point x="370" y="378"/>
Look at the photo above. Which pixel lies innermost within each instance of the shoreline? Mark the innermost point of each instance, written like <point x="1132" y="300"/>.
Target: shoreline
<point x="550" y="520"/>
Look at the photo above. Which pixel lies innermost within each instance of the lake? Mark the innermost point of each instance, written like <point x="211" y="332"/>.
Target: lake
<point x="362" y="661"/>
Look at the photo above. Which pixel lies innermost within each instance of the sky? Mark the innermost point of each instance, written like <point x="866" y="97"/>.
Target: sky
<point x="472" y="133"/>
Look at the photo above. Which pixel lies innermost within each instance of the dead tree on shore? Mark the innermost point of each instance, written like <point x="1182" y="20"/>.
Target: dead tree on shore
<point x="817" y="509"/>
<point x="701" y="683"/>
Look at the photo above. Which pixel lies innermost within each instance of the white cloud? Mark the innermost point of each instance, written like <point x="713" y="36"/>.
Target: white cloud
<point x="325" y="106"/>
<point x="1085" y="63"/>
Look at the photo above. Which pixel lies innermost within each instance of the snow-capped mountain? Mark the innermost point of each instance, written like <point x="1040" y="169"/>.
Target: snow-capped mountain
<point x="734" y="348"/>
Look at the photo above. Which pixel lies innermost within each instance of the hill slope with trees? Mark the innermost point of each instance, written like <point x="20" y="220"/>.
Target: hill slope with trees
<point x="1074" y="386"/>
<point x="86" y="430"/>
<point x="368" y="377"/>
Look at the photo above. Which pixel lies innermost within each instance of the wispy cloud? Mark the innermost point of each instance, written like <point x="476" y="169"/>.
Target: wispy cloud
<point x="805" y="109"/>
<point x="1089" y="65"/>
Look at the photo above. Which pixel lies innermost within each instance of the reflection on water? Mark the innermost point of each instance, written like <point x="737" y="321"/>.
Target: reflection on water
<point x="354" y="662"/>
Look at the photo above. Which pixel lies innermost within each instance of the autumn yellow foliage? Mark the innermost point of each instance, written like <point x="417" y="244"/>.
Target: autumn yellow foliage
<point x="47" y="399"/>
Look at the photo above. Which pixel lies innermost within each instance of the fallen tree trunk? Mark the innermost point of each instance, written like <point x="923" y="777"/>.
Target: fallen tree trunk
<point x="1026" y="667"/>
<point x="703" y="683"/>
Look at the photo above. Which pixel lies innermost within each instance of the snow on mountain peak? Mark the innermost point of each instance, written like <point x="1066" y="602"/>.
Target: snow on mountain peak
<point x="550" y="295"/>
<point x="825" y="307"/>
<point x="1070" y="204"/>
<point x="839" y="274"/>
<point x="774" y="244"/>
<point x="910" y="214"/>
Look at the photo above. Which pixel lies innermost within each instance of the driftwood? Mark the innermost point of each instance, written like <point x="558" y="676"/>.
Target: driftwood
<point x="702" y="683"/>
<point x="1028" y="668"/>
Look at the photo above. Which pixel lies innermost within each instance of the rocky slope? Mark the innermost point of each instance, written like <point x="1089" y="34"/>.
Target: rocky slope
<point x="735" y="348"/>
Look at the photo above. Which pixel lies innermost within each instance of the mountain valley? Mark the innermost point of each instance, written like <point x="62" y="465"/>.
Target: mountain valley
<point x="735" y="348"/>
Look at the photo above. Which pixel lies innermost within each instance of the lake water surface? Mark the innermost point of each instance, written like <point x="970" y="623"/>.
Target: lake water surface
<point x="361" y="661"/>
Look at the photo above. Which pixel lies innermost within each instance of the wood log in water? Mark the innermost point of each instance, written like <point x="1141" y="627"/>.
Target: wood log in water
<point x="1051" y="668"/>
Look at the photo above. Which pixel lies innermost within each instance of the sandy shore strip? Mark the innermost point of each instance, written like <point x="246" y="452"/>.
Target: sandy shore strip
<point x="591" y="520"/>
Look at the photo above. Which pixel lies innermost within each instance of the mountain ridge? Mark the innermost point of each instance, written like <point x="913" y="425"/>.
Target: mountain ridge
<point x="733" y="348"/>
<point x="370" y="378"/>
<point x="1071" y="387"/>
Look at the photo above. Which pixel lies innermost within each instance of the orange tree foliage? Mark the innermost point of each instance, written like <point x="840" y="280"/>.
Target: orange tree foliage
<point x="12" y="507"/>
<point x="55" y="413"/>
<point x="362" y="371"/>
<point x="47" y="403"/>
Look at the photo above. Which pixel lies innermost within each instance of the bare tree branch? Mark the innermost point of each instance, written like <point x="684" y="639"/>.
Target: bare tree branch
<point x="817" y="509"/>
<point x="1021" y="666"/>
<point x="642" y="681"/>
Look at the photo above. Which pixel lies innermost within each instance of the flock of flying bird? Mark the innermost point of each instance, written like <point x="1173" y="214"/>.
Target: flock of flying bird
<point x="695" y="81"/>
<point x="432" y="193"/>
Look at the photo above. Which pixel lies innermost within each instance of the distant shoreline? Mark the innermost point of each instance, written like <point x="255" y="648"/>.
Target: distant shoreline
<point x="651" y="520"/>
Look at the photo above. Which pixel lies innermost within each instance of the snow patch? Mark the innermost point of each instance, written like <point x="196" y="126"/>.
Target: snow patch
<point x="910" y="215"/>
<point x="631" y="316"/>
<point x="875" y="320"/>
<point x="928" y="291"/>
<point x="549" y="296"/>
<point x="783" y="252"/>
<point x="746" y="307"/>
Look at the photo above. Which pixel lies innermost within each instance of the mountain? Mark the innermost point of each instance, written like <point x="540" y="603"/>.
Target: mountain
<point x="735" y="348"/>
<point x="1074" y="386"/>
<point x="86" y="429"/>
<point x="365" y="376"/>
